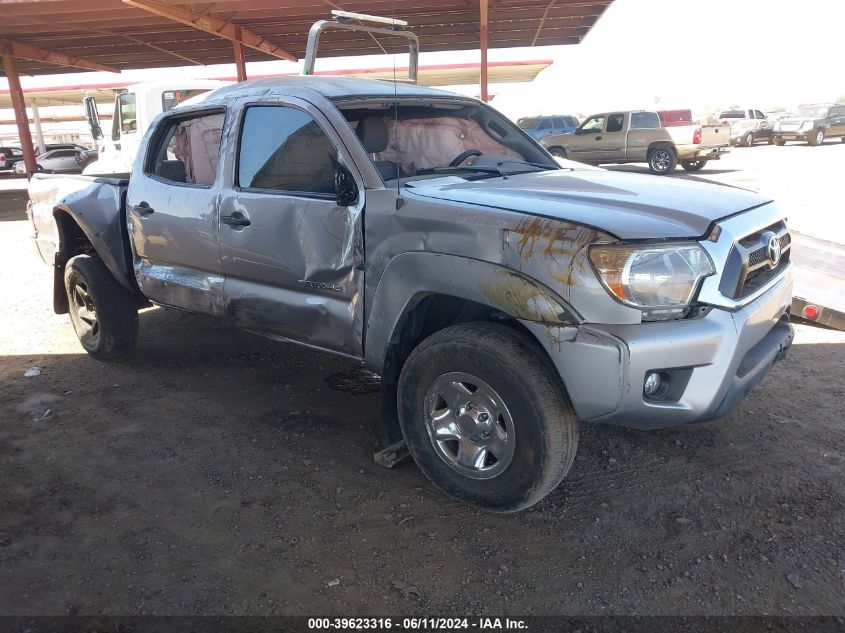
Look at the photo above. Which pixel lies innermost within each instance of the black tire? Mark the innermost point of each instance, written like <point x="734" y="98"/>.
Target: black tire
<point x="103" y="313"/>
<point x="816" y="137"/>
<point x="779" y="142"/>
<point x="662" y="160"/>
<point x="557" y="152"/>
<point x="542" y="422"/>
<point x="748" y="140"/>
<point x="693" y="165"/>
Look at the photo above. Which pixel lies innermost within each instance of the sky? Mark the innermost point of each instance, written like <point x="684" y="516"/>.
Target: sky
<point x="703" y="55"/>
<point x="699" y="54"/>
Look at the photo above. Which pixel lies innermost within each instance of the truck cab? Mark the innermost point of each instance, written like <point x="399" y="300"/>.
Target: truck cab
<point x="134" y="110"/>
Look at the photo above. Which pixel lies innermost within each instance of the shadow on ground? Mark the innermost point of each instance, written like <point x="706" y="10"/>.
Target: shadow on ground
<point x="217" y="472"/>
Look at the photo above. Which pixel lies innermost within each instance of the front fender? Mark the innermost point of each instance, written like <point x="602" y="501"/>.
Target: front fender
<point x="412" y="276"/>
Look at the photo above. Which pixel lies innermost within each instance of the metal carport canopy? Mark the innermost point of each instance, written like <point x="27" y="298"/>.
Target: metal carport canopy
<point x="56" y="36"/>
<point x="115" y="34"/>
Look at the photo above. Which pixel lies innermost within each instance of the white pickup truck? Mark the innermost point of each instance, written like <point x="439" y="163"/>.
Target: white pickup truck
<point x="134" y="111"/>
<point x="637" y="137"/>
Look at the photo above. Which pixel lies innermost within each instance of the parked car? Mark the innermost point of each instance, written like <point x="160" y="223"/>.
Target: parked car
<point x="50" y="146"/>
<point x="10" y="157"/>
<point x="638" y="137"/>
<point x="747" y="126"/>
<point x="812" y="124"/>
<point x="58" y="161"/>
<point x="671" y="118"/>
<point x="503" y="299"/>
<point x="542" y="126"/>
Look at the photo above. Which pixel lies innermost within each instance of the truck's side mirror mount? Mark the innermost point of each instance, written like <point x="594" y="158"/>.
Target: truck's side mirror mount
<point x="345" y="187"/>
<point x="93" y="118"/>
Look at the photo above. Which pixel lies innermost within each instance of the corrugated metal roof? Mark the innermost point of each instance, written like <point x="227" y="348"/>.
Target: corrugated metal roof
<point x="114" y="34"/>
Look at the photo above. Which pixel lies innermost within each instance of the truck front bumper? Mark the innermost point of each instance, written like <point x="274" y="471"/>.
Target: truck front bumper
<point x="710" y="363"/>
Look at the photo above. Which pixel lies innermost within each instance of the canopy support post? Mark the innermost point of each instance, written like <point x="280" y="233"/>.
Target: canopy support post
<point x="483" y="43"/>
<point x="21" y="118"/>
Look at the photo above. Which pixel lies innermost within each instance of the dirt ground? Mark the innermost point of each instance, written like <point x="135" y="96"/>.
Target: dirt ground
<point x="215" y="472"/>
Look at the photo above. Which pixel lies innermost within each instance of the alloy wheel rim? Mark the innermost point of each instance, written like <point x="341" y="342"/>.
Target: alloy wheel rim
<point x="660" y="160"/>
<point x="469" y="425"/>
<point x="85" y="311"/>
<point x="819" y="137"/>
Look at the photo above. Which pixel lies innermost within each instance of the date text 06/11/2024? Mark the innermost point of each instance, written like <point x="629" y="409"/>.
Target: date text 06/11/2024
<point x="417" y="624"/>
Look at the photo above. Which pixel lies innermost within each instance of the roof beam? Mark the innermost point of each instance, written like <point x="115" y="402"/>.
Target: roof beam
<point x="213" y="25"/>
<point x="27" y="51"/>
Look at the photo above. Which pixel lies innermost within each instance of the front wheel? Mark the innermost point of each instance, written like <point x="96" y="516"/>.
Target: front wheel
<point x="779" y="142"/>
<point x="662" y="161"/>
<point x="816" y="138"/>
<point x="103" y="313"/>
<point x="485" y="416"/>
<point x="693" y="165"/>
<point x="557" y="152"/>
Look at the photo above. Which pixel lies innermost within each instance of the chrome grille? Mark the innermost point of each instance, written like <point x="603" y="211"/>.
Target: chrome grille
<point x="762" y="254"/>
<point x="749" y="266"/>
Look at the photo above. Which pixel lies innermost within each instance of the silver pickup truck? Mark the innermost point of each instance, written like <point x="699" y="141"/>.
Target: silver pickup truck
<point x="503" y="297"/>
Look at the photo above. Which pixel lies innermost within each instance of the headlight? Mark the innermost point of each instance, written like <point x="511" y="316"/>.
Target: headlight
<point x="807" y="125"/>
<point x="661" y="280"/>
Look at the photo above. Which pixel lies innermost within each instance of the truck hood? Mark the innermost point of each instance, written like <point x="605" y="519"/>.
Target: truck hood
<point x="629" y="206"/>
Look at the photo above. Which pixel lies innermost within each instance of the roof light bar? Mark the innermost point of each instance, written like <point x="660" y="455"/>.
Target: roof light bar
<point x="363" y="17"/>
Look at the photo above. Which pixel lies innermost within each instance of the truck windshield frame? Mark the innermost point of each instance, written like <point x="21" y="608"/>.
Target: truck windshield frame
<point x="471" y="123"/>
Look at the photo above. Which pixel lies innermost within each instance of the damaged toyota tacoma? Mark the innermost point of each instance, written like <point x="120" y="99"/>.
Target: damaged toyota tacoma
<point x="503" y="297"/>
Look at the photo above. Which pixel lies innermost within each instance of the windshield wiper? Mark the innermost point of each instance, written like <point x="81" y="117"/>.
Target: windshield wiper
<point x="446" y="170"/>
<point x="541" y="166"/>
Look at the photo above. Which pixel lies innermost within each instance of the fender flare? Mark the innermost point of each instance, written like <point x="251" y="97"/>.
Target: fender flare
<point x="410" y="277"/>
<point x="104" y="228"/>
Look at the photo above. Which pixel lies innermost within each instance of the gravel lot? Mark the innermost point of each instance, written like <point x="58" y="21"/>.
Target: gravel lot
<point x="215" y="472"/>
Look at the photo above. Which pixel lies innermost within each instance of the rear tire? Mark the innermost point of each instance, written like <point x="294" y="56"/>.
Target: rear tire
<point x="485" y="416"/>
<point x="662" y="160"/>
<point x="748" y="140"/>
<point x="693" y="165"/>
<point x="103" y="313"/>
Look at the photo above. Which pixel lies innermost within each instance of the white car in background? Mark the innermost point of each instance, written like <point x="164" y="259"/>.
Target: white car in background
<point x="61" y="161"/>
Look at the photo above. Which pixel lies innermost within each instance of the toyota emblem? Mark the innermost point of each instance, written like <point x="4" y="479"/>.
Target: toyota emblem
<point x="774" y="250"/>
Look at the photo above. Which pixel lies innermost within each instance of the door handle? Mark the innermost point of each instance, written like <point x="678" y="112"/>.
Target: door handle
<point x="598" y="138"/>
<point x="236" y="219"/>
<point x="143" y="208"/>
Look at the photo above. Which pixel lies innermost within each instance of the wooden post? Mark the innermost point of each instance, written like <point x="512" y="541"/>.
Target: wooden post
<point x="485" y="95"/>
<point x="21" y="117"/>
<point x="240" y="64"/>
